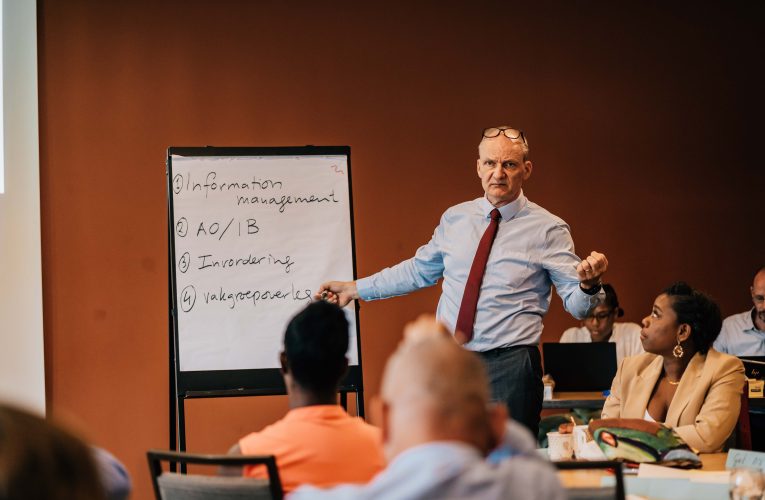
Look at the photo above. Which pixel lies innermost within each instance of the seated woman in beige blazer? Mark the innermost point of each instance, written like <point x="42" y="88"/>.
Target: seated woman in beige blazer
<point x="680" y="380"/>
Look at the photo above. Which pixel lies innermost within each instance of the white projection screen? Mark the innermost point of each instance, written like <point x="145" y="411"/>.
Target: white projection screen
<point x="22" y="368"/>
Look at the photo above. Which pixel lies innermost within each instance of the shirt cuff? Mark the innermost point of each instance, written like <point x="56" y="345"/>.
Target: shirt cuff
<point x="594" y="299"/>
<point x="365" y="289"/>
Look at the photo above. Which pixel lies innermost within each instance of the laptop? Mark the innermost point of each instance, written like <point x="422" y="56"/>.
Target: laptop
<point x="754" y="366"/>
<point x="580" y="367"/>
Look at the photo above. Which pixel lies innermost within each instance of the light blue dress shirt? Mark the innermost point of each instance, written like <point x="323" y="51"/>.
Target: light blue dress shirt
<point x="451" y="470"/>
<point x="739" y="336"/>
<point x="532" y="251"/>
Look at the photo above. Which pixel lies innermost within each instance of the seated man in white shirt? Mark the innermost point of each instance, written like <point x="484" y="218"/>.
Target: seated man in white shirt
<point x="743" y="334"/>
<point x="438" y="427"/>
<point x="600" y="326"/>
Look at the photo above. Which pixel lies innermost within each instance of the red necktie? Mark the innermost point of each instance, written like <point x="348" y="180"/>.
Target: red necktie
<point x="466" y="317"/>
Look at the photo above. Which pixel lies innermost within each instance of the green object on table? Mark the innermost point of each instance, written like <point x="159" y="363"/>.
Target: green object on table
<point x="581" y="416"/>
<point x="639" y="441"/>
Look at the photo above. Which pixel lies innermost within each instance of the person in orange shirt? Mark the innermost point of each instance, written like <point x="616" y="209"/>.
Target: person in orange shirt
<point x="316" y="442"/>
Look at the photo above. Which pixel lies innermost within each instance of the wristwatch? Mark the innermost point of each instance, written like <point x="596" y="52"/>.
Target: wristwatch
<point x="593" y="290"/>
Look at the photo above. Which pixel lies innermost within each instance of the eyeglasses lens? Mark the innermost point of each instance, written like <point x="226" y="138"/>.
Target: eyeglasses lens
<point x="599" y="317"/>
<point x="510" y="133"/>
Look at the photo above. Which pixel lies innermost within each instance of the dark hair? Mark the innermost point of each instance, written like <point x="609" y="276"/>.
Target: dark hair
<point x="315" y="344"/>
<point x="612" y="301"/>
<point x="697" y="310"/>
<point x="42" y="460"/>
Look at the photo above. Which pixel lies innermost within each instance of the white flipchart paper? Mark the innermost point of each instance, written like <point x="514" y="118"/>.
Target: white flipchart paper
<point x="254" y="238"/>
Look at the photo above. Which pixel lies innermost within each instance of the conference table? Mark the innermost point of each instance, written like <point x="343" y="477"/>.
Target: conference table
<point x="567" y="400"/>
<point x="592" y="478"/>
<point x="595" y="399"/>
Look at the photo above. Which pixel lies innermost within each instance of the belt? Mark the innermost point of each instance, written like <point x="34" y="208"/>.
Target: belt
<point x="500" y="350"/>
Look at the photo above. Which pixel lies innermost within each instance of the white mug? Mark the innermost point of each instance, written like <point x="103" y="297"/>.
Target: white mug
<point x="581" y="437"/>
<point x="560" y="446"/>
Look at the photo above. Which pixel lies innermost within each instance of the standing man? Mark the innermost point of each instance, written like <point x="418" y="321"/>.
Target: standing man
<point x="743" y="334"/>
<point x="498" y="256"/>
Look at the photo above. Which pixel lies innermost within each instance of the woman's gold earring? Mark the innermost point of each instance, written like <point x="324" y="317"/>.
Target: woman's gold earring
<point x="678" y="350"/>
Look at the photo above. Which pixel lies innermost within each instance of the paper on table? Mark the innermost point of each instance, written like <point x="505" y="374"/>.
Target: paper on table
<point x="591" y="451"/>
<point x="672" y="488"/>
<point x="744" y="458"/>
<point x="696" y="476"/>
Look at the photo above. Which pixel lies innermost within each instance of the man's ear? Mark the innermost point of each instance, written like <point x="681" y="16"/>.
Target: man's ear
<point x="527" y="168"/>
<point x="498" y="416"/>
<point x="478" y="167"/>
<point x="283" y="363"/>
<point x="379" y="416"/>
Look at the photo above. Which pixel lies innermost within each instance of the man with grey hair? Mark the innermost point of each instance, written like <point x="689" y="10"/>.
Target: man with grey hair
<point x="438" y="426"/>
<point x="499" y="256"/>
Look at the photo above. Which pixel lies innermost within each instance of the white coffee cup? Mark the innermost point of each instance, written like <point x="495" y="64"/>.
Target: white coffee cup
<point x="560" y="446"/>
<point x="581" y="437"/>
<point x="547" y="395"/>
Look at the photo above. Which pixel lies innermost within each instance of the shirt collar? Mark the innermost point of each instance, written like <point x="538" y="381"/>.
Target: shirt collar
<point x="316" y="412"/>
<point x="750" y="318"/>
<point x="508" y="211"/>
<point x="455" y="453"/>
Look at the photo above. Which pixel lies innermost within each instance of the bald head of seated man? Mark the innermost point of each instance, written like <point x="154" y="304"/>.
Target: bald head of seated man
<point x="438" y="427"/>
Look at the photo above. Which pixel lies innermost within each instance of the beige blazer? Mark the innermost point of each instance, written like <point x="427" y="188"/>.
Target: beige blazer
<point x="705" y="408"/>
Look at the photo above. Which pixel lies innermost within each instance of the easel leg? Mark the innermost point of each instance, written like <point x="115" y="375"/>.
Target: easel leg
<point x="344" y="400"/>
<point x="182" y="430"/>
<point x="173" y="427"/>
<point x="360" y="403"/>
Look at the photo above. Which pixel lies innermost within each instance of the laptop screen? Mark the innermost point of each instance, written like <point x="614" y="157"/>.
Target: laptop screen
<point x="580" y="367"/>
<point x="754" y="366"/>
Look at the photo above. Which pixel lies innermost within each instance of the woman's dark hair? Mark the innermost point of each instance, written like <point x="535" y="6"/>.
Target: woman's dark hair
<point x="697" y="310"/>
<point x="612" y="301"/>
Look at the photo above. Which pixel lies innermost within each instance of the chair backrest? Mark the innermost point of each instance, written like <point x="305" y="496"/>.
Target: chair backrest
<point x="598" y="492"/>
<point x="172" y="486"/>
<point x="743" y="426"/>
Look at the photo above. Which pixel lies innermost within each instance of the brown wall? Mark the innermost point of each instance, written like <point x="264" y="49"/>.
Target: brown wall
<point x="643" y="124"/>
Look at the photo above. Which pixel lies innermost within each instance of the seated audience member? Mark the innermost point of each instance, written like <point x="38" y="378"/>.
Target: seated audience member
<point x="317" y="442"/>
<point x="681" y="380"/>
<point x="600" y="326"/>
<point x="41" y="461"/>
<point x="743" y="334"/>
<point x="515" y="438"/>
<point x="114" y="475"/>
<point x="439" y="426"/>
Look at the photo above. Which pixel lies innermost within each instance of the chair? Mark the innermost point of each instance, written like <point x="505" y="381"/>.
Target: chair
<point x="173" y="486"/>
<point x="743" y="426"/>
<point x="583" y="493"/>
